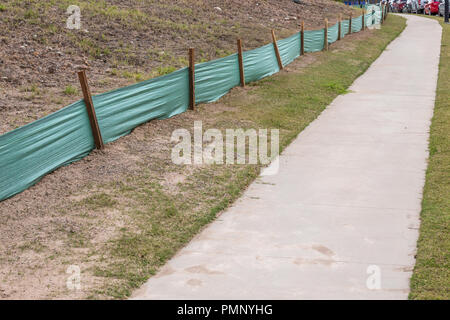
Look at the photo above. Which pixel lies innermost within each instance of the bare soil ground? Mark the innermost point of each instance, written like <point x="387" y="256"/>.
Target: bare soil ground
<point x="121" y="42"/>
<point x="111" y="207"/>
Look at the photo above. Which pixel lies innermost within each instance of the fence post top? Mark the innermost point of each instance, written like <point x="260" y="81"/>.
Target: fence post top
<point x="82" y="71"/>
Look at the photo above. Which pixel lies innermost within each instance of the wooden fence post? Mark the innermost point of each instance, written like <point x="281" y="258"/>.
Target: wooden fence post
<point x="340" y="27"/>
<point x="277" y="52"/>
<point x="302" y="39"/>
<point x="382" y="14"/>
<point x="363" y="23"/>
<point x="350" y="24"/>
<point x="191" y="79"/>
<point x="325" y="38"/>
<point x="241" y="62"/>
<point x="90" y="110"/>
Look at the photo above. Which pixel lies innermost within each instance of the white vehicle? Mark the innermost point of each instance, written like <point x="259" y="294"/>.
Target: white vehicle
<point x="416" y="6"/>
<point x="408" y="8"/>
<point x="413" y="6"/>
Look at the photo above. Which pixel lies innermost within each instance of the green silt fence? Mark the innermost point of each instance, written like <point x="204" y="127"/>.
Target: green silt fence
<point x="333" y="33"/>
<point x="356" y="24"/>
<point x="30" y="152"/>
<point x="216" y="78"/>
<point x="121" y="110"/>
<point x="289" y="48"/>
<point x="344" y="28"/>
<point x="260" y="63"/>
<point x="38" y="148"/>
<point x="314" y="40"/>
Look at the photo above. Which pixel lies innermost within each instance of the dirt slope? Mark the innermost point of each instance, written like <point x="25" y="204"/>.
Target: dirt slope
<point x="126" y="41"/>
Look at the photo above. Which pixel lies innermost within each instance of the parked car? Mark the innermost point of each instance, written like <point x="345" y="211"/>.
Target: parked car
<point x="421" y="5"/>
<point x="407" y="8"/>
<point x="399" y="5"/>
<point x="442" y="8"/>
<point x="392" y="5"/>
<point x="432" y="7"/>
<point x="416" y="6"/>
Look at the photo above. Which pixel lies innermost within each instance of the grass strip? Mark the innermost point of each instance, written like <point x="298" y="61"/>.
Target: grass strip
<point x="431" y="276"/>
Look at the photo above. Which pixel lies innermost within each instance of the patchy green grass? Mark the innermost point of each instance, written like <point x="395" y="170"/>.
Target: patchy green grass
<point x="101" y="200"/>
<point x="31" y="14"/>
<point x="70" y="90"/>
<point x="431" y="277"/>
<point x="33" y="90"/>
<point x="165" y="70"/>
<point x="162" y="220"/>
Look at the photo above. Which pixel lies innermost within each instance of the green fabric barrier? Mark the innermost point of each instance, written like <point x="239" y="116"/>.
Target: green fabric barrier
<point x="357" y="24"/>
<point x="333" y="33"/>
<point x="344" y="27"/>
<point x="30" y="152"/>
<point x="289" y="48"/>
<point x="373" y="14"/>
<point x="314" y="40"/>
<point x="368" y="19"/>
<point x="121" y="110"/>
<point x="216" y="78"/>
<point x="378" y="15"/>
<point x="260" y="63"/>
<point x="375" y="17"/>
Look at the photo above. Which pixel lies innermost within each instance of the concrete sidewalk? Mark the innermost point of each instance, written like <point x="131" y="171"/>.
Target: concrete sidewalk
<point x="343" y="211"/>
